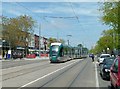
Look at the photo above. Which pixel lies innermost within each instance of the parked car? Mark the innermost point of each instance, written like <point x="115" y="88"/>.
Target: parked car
<point x="44" y="53"/>
<point x="105" y="67"/>
<point x="115" y="74"/>
<point x="17" y="54"/>
<point x="102" y="56"/>
<point x="31" y="55"/>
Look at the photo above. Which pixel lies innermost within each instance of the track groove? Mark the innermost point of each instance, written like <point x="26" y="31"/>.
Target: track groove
<point x="23" y="71"/>
<point x="60" y="74"/>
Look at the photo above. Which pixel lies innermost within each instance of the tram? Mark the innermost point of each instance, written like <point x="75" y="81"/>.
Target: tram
<point x="61" y="53"/>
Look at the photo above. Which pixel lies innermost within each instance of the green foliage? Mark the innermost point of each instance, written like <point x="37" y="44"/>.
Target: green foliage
<point x="62" y="41"/>
<point x="52" y="40"/>
<point x="110" y="14"/>
<point x="110" y="38"/>
<point x="80" y="45"/>
<point x="17" y="29"/>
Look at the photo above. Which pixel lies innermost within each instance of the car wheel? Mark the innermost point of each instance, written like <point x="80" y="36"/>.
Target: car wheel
<point x="112" y="87"/>
<point x="117" y="87"/>
<point x="102" y="76"/>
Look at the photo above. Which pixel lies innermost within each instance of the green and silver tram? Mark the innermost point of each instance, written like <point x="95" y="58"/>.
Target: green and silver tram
<point x="59" y="52"/>
<point x="62" y="53"/>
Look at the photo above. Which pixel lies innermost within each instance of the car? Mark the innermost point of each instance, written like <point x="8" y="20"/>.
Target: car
<point x="17" y="54"/>
<point x="31" y="56"/>
<point x="115" y="74"/>
<point x="102" y="56"/>
<point x="105" y="67"/>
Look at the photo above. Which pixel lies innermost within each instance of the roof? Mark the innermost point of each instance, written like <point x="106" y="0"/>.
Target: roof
<point x="56" y="44"/>
<point x="104" y="54"/>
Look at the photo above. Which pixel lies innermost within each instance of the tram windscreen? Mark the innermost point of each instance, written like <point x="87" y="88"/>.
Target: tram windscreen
<point x="55" y="50"/>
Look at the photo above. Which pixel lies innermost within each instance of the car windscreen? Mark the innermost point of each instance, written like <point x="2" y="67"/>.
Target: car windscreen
<point x="55" y="50"/>
<point x="109" y="61"/>
<point x="55" y="47"/>
<point x="104" y="56"/>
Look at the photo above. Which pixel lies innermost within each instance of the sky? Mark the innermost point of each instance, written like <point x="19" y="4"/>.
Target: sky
<point x="85" y="26"/>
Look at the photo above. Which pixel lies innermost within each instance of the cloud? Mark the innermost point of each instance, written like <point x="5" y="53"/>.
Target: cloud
<point x="42" y="11"/>
<point x="59" y="9"/>
<point x="60" y="0"/>
<point x="14" y="12"/>
<point x="68" y="11"/>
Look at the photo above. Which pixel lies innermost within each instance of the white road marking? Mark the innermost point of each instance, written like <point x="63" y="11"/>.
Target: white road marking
<point x="47" y="75"/>
<point x="96" y="77"/>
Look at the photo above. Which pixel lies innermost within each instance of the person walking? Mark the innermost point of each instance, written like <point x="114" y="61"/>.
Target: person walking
<point x="92" y="57"/>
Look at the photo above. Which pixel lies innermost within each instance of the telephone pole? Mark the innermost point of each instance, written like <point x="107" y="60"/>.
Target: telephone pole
<point x="39" y="39"/>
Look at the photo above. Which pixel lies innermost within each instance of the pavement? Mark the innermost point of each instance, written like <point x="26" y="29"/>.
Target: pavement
<point x="37" y="58"/>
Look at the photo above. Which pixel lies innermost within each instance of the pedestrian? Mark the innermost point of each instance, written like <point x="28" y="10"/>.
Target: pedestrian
<point x="5" y="55"/>
<point x="92" y="56"/>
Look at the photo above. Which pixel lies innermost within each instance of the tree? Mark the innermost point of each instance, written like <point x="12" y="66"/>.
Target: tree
<point x="108" y="40"/>
<point x="17" y="30"/>
<point x="111" y="15"/>
<point x="51" y="40"/>
<point x="80" y="45"/>
<point x="26" y="25"/>
<point x="10" y="30"/>
<point x="62" y="41"/>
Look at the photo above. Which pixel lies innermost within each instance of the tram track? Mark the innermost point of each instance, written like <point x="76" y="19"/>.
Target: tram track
<point x="66" y="70"/>
<point x="78" y="74"/>
<point x="24" y="71"/>
<point x="12" y="64"/>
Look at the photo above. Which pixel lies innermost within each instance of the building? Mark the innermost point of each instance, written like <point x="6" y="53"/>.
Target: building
<point x="43" y="42"/>
<point x="36" y="38"/>
<point x="31" y="43"/>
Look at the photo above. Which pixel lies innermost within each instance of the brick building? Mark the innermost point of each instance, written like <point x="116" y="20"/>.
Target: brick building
<point x="36" y="38"/>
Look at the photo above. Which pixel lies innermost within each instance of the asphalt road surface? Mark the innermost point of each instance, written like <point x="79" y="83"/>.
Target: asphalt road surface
<point x="18" y="62"/>
<point x="42" y="73"/>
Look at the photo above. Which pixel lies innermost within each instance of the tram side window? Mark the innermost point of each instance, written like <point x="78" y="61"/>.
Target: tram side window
<point x="61" y="52"/>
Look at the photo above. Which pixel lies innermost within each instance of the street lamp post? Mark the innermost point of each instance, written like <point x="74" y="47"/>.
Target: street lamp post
<point x="68" y="39"/>
<point x="81" y="52"/>
<point x="26" y="46"/>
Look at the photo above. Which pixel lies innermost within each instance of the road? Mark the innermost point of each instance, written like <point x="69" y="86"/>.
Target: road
<point x="19" y="62"/>
<point x="42" y="73"/>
